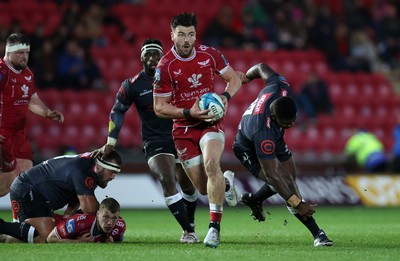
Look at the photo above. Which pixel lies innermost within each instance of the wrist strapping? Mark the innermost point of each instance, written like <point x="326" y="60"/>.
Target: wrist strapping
<point x="111" y="141"/>
<point x="293" y="201"/>
<point x="227" y="95"/>
<point x="186" y="113"/>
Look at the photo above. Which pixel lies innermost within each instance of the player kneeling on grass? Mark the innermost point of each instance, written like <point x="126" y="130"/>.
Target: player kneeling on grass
<point x="105" y="226"/>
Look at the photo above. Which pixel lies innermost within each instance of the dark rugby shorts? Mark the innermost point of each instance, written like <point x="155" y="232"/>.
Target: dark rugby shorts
<point x="154" y="148"/>
<point x="30" y="205"/>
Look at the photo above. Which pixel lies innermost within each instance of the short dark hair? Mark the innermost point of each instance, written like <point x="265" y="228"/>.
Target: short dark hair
<point x="113" y="155"/>
<point x="110" y="204"/>
<point x="151" y="41"/>
<point x="184" y="19"/>
<point x="284" y="108"/>
<point x="16" y="38"/>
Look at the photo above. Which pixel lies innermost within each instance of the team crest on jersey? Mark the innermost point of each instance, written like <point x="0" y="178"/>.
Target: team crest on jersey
<point x="89" y="182"/>
<point x="195" y="80"/>
<point x="267" y="147"/>
<point x="28" y="78"/>
<point x="25" y="89"/>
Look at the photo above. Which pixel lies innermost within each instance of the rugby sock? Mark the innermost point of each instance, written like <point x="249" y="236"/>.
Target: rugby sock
<point x="215" y="216"/>
<point x="263" y="193"/>
<point x="22" y="231"/>
<point x="176" y="205"/>
<point x="310" y="223"/>
<point x="191" y="205"/>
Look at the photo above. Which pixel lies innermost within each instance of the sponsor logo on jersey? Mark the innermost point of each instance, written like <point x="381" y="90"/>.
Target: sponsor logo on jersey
<point x="194" y="79"/>
<point x="70" y="226"/>
<point x="261" y="103"/>
<point x="181" y="152"/>
<point x="25" y="89"/>
<point x="179" y="72"/>
<point x="204" y="63"/>
<point x="146" y="92"/>
<point x="81" y="217"/>
<point x="115" y="232"/>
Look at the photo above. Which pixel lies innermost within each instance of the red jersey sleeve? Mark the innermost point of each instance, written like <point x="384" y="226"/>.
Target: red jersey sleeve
<point x="74" y="226"/>
<point x="119" y="230"/>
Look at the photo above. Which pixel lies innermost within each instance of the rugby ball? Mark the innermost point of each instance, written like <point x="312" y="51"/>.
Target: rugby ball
<point x="213" y="102"/>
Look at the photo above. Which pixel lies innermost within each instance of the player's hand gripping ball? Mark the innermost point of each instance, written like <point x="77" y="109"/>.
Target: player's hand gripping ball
<point x="213" y="102"/>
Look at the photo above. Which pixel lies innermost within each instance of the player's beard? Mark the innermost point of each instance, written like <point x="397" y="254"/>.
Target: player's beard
<point x="20" y="66"/>
<point x="102" y="182"/>
<point x="185" y="50"/>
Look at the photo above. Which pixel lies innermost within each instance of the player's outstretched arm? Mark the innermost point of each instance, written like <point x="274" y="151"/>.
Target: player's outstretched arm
<point x="37" y="106"/>
<point x="284" y="184"/>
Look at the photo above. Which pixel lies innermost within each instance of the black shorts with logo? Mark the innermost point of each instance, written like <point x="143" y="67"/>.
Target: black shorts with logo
<point x="28" y="203"/>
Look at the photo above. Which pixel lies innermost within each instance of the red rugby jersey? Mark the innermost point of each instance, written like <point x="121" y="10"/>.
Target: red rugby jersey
<point x="16" y="90"/>
<point x="184" y="79"/>
<point x="79" y="224"/>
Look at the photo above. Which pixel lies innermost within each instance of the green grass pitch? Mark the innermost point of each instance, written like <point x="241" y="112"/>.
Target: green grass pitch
<point x="359" y="233"/>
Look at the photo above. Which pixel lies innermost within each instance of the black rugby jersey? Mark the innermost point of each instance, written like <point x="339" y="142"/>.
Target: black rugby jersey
<point x="256" y="128"/>
<point x="59" y="180"/>
<point x="138" y="90"/>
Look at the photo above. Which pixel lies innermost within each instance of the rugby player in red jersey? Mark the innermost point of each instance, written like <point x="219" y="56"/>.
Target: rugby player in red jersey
<point x="183" y="74"/>
<point x="105" y="226"/>
<point x="17" y="96"/>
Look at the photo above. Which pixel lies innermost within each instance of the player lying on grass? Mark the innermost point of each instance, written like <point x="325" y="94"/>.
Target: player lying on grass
<point x="260" y="146"/>
<point x="105" y="226"/>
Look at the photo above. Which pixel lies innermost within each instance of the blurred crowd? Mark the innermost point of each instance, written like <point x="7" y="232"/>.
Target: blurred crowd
<point x="356" y="35"/>
<point x="63" y="59"/>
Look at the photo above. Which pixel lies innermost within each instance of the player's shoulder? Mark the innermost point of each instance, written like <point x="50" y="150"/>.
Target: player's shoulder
<point x="201" y="48"/>
<point x="86" y="219"/>
<point x="166" y="59"/>
<point x="3" y="67"/>
<point x="131" y="81"/>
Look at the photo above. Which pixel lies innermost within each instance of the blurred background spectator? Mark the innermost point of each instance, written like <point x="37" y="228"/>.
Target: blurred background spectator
<point x="312" y="99"/>
<point x="396" y="148"/>
<point x="368" y="151"/>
